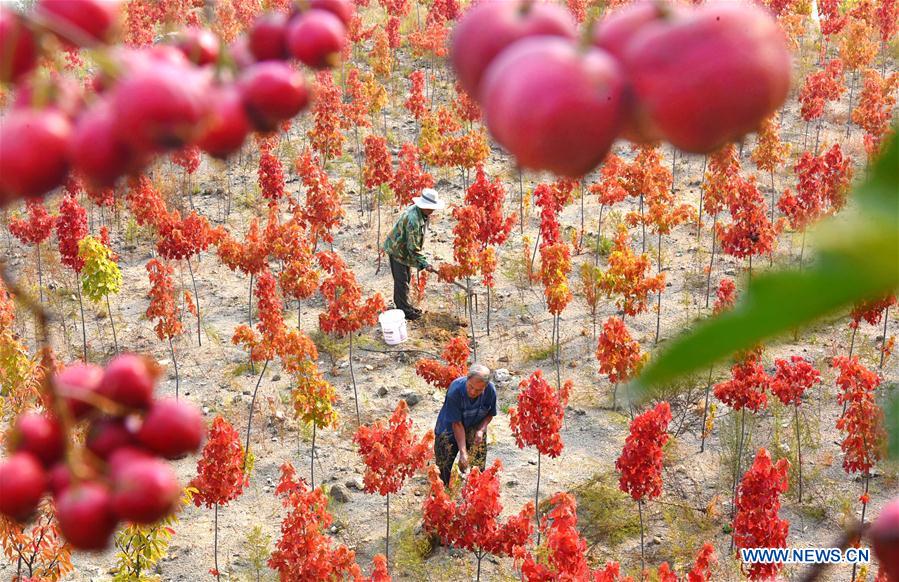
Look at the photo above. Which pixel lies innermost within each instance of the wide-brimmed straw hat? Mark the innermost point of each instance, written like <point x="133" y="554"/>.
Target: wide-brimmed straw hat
<point x="429" y="200"/>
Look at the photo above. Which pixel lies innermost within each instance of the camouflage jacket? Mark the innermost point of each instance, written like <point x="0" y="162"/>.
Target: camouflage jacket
<point x="405" y="240"/>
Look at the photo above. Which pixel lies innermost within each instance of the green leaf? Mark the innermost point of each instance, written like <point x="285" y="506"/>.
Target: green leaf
<point x="857" y="259"/>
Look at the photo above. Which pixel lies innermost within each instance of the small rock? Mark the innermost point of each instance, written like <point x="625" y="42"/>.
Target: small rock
<point x="338" y="494"/>
<point x="503" y="359"/>
<point x="276" y="378"/>
<point x="410" y="397"/>
<point x="356" y="483"/>
<point x="512" y="483"/>
<point x="730" y="272"/>
<point x="382" y="392"/>
<point x="656" y="540"/>
<point x="437" y="396"/>
<point x="578" y="411"/>
<point x="368" y="367"/>
<point x="530" y="462"/>
<point x="502" y="375"/>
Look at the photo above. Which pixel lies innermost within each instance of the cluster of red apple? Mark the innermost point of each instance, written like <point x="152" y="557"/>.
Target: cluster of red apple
<point x="119" y="474"/>
<point x="698" y="77"/>
<point x="150" y="100"/>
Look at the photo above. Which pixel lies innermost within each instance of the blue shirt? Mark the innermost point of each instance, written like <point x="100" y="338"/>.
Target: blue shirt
<point x="458" y="407"/>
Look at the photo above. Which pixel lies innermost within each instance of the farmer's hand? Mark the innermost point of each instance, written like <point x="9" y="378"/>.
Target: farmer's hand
<point x="431" y="269"/>
<point x="463" y="461"/>
<point x="479" y="437"/>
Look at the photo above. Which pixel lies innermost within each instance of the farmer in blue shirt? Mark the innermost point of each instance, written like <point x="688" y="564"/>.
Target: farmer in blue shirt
<point x="468" y="408"/>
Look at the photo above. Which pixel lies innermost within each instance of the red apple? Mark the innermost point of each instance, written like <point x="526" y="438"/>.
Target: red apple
<point x="33" y="152"/>
<point x="85" y="516"/>
<point x="342" y="9"/>
<point x="267" y="40"/>
<point x="616" y="31"/>
<point x="199" y="45"/>
<point x="884" y="535"/>
<point x="272" y="92"/>
<point x="22" y="484"/>
<point x="40" y="435"/>
<point x="711" y="77"/>
<point x="80" y="22"/>
<point x="144" y="491"/>
<point x="18" y="51"/>
<point x="75" y="381"/>
<point x="316" y="38"/>
<point x="59" y="478"/>
<point x="160" y="107"/>
<point x="96" y="151"/>
<point x="554" y="106"/>
<point x="172" y="429"/>
<point x="128" y="379"/>
<point x="492" y="25"/>
<point x="123" y="457"/>
<point x="227" y="125"/>
<point x="108" y="435"/>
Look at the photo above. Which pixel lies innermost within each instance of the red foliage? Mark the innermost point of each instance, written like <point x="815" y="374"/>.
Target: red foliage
<point x="183" y="238"/>
<point x="472" y="522"/>
<point x="248" y="256"/>
<point x="464" y="105"/>
<point x="71" y="227"/>
<point x="220" y="470"/>
<point x="610" y="189"/>
<point x="627" y="276"/>
<point x="832" y="21"/>
<point x="488" y="195"/>
<point x="722" y="180"/>
<point x="391" y="452"/>
<point x="555" y="264"/>
<point x="871" y="311"/>
<point x="726" y="296"/>
<point x="188" y="158"/>
<point x="862" y="420"/>
<point x="640" y="463"/>
<point x="34" y="229"/>
<point x="346" y="311"/>
<point x="822" y="86"/>
<point x="887" y="16"/>
<point x="563" y="553"/>
<point x="327" y="107"/>
<point x="455" y="354"/>
<point x="466" y="248"/>
<point x="145" y="202"/>
<point x="271" y="176"/>
<point x="162" y="300"/>
<point x="378" y="168"/>
<point x="757" y="523"/>
<point x="409" y="179"/>
<point x="746" y="388"/>
<point x="355" y="110"/>
<point x="702" y="567"/>
<point x="322" y="211"/>
<point x="537" y="420"/>
<point x="875" y="108"/>
<point x="792" y="378"/>
<point x="618" y="355"/>
<point x="304" y="551"/>
<point x="750" y="233"/>
<point x="823" y="184"/>
<point x="417" y="104"/>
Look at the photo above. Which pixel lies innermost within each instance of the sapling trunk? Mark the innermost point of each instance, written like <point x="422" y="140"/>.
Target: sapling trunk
<point x="798" y="447"/>
<point x="708" y="281"/>
<point x="520" y="203"/>
<point x="250" y="419"/>
<point x="175" y="363"/>
<point x="642" y="225"/>
<point x="193" y="282"/>
<point x="864" y="507"/>
<point x="733" y="500"/>
<point x="883" y="343"/>
<point x="215" y="541"/>
<point x="353" y="378"/>
<point x="488" y="310"/>
<point x="537" y="499"/>
<point x="115" y="340"/>
<point x="474" y="341"/>
<point x="659" y="307"/>
<point x="40" y="276"/>
<point x="705" y="409"/>
<point x="312" y="463"/>
<point x="642" y="551"/>
<point x="83" y="326"/>
<point x="387" y="538"/>
<point x="250" y="302"/>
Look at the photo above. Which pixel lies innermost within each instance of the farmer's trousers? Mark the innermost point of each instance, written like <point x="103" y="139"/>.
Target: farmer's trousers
<point x="445" y="451"/>
<point x="402" y="275"/>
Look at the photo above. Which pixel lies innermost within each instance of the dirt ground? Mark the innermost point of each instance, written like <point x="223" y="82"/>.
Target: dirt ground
<point x="695" y="503"/>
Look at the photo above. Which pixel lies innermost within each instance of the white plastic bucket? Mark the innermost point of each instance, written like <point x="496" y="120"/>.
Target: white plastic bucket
<point x="393" y="326"/>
